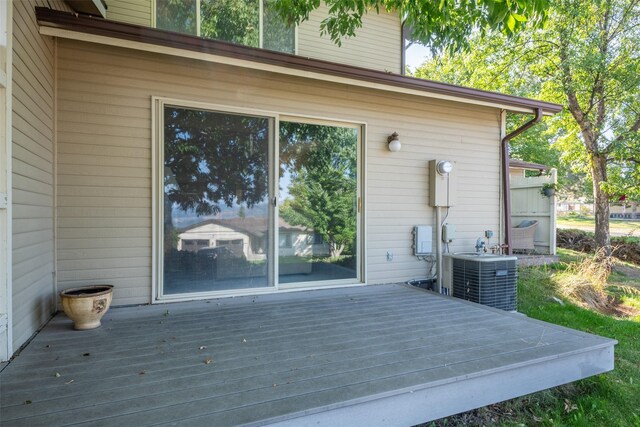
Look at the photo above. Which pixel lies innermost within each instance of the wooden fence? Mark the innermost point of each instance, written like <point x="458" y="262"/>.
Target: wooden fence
<point x="527" y="203"/>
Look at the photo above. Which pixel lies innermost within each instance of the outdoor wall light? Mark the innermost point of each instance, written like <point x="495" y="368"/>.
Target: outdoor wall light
<point x="444" y="167"/>
<point x="394" y="142"/>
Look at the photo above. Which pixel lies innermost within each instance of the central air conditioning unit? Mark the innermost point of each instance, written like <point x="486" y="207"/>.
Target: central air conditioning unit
<point x="490" y="280"/>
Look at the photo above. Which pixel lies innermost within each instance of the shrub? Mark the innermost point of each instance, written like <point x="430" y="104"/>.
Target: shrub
<point x="585" y="282"/>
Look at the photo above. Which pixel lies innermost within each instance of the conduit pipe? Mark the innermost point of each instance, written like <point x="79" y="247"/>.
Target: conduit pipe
<point x="506" y="185"/>
<point x="438" y="287"/>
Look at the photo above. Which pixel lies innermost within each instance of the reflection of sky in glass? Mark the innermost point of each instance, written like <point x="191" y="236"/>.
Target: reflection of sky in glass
<point x="182" y="218"/>
<point x="285" y="183"/>
<point x="202" y="167"/>
<point x="287" y="171"/>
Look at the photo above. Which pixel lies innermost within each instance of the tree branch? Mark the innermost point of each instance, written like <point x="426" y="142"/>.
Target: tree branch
<point x="578" y="114"/>
<point x="630" y="9"/>
<point x="634" y="128"/>
<point x="599" y="83"/>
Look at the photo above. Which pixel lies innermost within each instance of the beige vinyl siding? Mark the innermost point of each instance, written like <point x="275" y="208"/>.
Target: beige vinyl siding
<point x="377" y="45"/>
<point x="104" y="169"/>
<point x="130" y="11"/>
<point x="33" y="172"/>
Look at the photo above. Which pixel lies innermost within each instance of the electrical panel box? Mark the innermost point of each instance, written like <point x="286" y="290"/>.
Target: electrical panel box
<point x="448" y="233"/>
<point x="422" y="240"/>
<point x="442" y="186"/>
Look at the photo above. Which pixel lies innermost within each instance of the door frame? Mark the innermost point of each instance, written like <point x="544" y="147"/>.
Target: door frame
<point x="6" y="141"/>
<point x="157" y="170"/>
<point x="360" y="211"/>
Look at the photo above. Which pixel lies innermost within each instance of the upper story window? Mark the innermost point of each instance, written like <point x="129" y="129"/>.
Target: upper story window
<point x="247" y="22"/>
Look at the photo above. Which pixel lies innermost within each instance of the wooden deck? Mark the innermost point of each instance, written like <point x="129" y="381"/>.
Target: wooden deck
<point x="377" y="355"/>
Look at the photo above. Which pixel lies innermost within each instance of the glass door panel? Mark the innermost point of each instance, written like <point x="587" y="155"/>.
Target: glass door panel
<point x="215" y="201"/>
<point x="318" y="195"/>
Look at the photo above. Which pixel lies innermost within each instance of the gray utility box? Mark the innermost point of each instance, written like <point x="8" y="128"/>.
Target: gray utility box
<point x="490" y="280"/>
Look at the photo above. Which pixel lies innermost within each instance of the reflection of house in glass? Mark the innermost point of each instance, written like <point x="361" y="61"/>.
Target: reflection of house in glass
<point x="247" y="237"/>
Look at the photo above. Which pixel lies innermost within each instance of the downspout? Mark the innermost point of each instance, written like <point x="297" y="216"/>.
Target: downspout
<point x="506" y="185"/>
<point x="403" y="50"/>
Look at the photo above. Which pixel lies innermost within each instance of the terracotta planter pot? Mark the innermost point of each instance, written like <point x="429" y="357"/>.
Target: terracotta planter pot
<point x="86" y="305"/>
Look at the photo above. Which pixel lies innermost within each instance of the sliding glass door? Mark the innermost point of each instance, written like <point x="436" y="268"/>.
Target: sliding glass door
<point x="318" y="203"/>
<point x="215" y="201"/>
<point x="240" y="201"/>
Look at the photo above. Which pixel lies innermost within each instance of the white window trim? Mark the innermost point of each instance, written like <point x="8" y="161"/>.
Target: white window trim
<point x="157" y="123"/>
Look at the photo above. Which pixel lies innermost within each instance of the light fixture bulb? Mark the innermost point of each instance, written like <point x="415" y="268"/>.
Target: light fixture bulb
<point x="395" y="146"/>
<point x="394" y="142"/>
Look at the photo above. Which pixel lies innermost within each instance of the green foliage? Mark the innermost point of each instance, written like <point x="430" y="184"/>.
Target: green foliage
<point x="609" y="399"/>
<point x="585" y="56"/>
<point x="322" y="163"/>
<point x="176" y="15"/>
<point x="595" y="70"/>
<point x="486" y="66"/>
<point x="236" y="21"/>
<point x="548" y="189"/>
<point x="443" y="24"/>
<point x="277" y="35"/>
<point x="214" y="158"/>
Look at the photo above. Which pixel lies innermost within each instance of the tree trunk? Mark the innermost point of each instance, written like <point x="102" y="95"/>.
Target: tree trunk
<point x="336" y="250"/>
<point x="600" y="202"/>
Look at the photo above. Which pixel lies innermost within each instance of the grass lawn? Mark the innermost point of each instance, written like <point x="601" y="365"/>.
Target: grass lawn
<point x="611" y="399"/>
<point x="617" y="226"/>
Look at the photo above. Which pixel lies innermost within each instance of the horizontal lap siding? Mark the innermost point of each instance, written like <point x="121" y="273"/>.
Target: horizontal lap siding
<point x="33" y="172"/>
<point x="104" y="158"/>
<point x="104" y="172"/>
<point x="136" y="12"/>
<point x="377" y="44"/>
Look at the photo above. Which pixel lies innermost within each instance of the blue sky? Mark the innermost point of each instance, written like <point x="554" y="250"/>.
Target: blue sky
<point x="416" y="55"/>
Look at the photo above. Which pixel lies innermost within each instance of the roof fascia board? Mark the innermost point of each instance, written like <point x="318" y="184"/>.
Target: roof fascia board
<point x="224" y="53"/>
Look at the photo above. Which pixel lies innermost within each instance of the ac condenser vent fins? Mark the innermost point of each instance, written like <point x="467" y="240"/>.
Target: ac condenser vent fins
<point x="494" y="283"/>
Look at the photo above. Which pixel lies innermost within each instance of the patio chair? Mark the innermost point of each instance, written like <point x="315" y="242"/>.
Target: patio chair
<point x="522" y="235"/>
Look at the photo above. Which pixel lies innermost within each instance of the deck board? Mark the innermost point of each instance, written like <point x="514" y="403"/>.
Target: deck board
<point x="273" y="357"/>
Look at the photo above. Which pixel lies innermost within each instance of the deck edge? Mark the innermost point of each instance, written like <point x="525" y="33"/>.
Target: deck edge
<point x="430" y="402"/>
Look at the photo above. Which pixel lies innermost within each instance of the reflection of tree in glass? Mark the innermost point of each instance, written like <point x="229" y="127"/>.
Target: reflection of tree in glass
<point x="322" y="162"/>
<point x="277" y="35"/>
<point x="214" y="159"/>
<point x="176" y="15"/>
<point x="235" y="21"/>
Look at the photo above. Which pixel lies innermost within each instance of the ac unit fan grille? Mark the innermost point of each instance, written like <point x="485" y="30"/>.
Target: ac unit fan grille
<point x="491" y="283"/>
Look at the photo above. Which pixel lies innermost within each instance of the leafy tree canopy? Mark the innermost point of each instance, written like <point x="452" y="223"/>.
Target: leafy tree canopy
<point x="235" y="21"/>
<point x="321" y="161"/>
<point x="443" y="24"/>
<point x="585" y="57"/>
<point x="214" y="159"/>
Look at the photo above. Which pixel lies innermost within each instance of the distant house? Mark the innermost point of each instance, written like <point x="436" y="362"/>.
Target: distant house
<point x="519" y="168"/>
<point x="624" y="209"/>
<point x="249" y="237"/>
